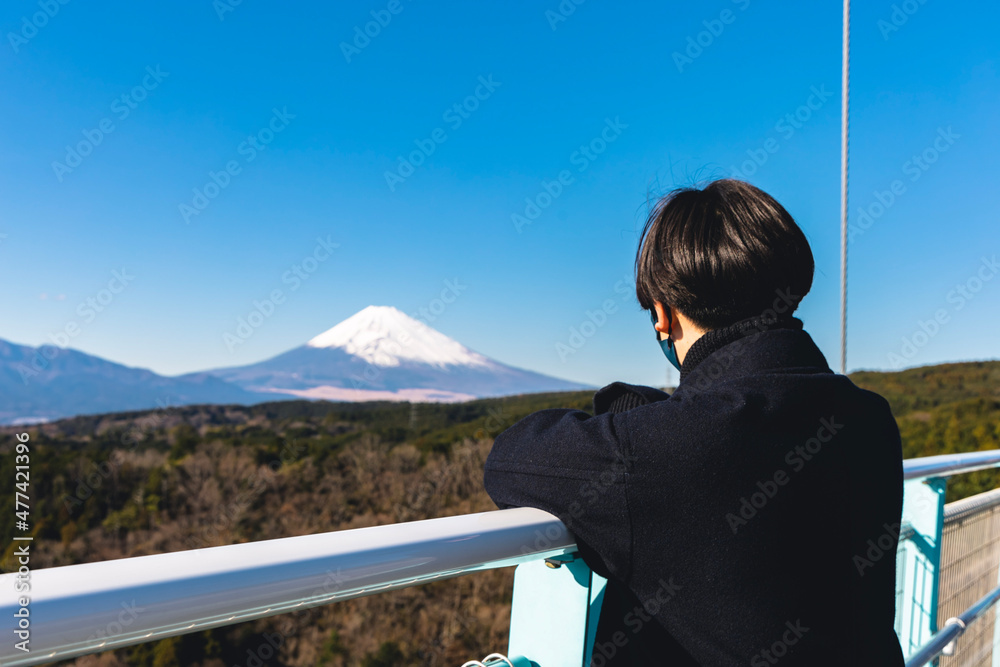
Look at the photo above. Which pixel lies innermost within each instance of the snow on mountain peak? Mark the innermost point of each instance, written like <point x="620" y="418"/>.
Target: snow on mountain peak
<point x="386" y="336"/>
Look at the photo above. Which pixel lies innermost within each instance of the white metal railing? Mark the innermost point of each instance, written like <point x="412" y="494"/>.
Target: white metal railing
<point x="953" y="629"/>
<point x="79" y="609"/>
<point x="931" y="471"/>
<point x="950" y="464"/>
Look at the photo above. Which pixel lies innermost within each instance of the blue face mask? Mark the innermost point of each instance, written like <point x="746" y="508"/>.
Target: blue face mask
<point x="669" y="350"/>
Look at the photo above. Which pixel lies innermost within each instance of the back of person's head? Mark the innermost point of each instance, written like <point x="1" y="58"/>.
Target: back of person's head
<point x="722" y="254"/>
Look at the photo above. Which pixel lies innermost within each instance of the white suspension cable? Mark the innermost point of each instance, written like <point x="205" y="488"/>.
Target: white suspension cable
<point x="844" y="106"/>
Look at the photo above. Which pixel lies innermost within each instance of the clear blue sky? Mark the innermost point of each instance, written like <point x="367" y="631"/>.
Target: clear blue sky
<point x="322" y="173"/>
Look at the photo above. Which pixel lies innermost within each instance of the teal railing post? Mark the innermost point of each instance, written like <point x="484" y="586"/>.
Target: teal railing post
<point x="919" y="562"/>
<point x="554" y="612"/>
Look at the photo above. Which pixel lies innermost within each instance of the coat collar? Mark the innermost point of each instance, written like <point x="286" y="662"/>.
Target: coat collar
<point x="738" y="346"/>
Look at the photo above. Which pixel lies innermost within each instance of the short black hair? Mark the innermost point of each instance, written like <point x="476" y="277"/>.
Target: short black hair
<point x="721" y="254"/>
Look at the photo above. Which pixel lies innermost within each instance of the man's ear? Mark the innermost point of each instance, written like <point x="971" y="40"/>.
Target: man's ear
<point x="663" y="314"/>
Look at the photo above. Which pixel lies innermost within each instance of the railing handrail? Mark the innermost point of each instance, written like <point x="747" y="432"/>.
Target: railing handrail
<point x="134" y="600"/>
<point x="970" y="506"/>
<point x="148" y="598"/>
<point x="946" y="465"/>
<point x="953" y="629"/>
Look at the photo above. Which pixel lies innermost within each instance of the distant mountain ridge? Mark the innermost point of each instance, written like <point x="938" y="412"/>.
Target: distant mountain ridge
<point x="379" y="353"/>
<point x="45" y="383"/>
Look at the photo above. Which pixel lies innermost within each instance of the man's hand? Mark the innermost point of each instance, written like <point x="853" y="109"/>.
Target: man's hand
<point x="619" y="397"/>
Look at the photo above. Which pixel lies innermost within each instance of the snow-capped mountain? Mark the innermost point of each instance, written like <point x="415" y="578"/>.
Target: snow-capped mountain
<point x="385" y="336"/>
<point x="380" y="353"/>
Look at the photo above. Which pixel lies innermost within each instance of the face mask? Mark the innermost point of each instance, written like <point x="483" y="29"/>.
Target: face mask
<point x="669" y="350"/>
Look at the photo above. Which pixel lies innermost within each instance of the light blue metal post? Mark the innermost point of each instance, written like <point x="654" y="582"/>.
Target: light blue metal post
<point x="554" y="613"/>
<point x="919" y="561"/>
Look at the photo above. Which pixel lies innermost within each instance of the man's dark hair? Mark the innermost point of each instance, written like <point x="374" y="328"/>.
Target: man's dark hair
<point x="721" y="254"/>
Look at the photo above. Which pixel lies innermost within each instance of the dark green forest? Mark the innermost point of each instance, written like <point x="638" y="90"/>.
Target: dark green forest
<point x="175" y="478"/>
<point x="945" y="409"/>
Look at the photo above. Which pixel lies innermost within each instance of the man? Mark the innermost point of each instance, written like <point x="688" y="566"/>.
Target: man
<point x="729" y="516"/>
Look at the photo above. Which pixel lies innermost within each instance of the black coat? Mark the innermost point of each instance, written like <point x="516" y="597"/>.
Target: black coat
<point x="731" y="518"/>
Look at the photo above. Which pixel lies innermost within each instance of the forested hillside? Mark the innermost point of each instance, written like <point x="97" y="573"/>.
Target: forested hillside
<point x="131" y="484"/>
<point x="128" y="484"/>
<point x="945" y="409"/>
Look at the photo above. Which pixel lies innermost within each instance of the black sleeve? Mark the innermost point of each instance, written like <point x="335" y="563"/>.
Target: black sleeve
<point x="620" y="396"/>
<point x="576" y="467"/>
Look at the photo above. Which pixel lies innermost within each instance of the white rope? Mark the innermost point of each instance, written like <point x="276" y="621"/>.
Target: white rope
<point x="844" y="106"/>
<point x="489" y="658"/>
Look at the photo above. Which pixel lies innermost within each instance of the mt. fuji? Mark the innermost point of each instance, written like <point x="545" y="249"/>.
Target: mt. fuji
<point x="383" y="335"/>
<point x="380" y="353"/>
